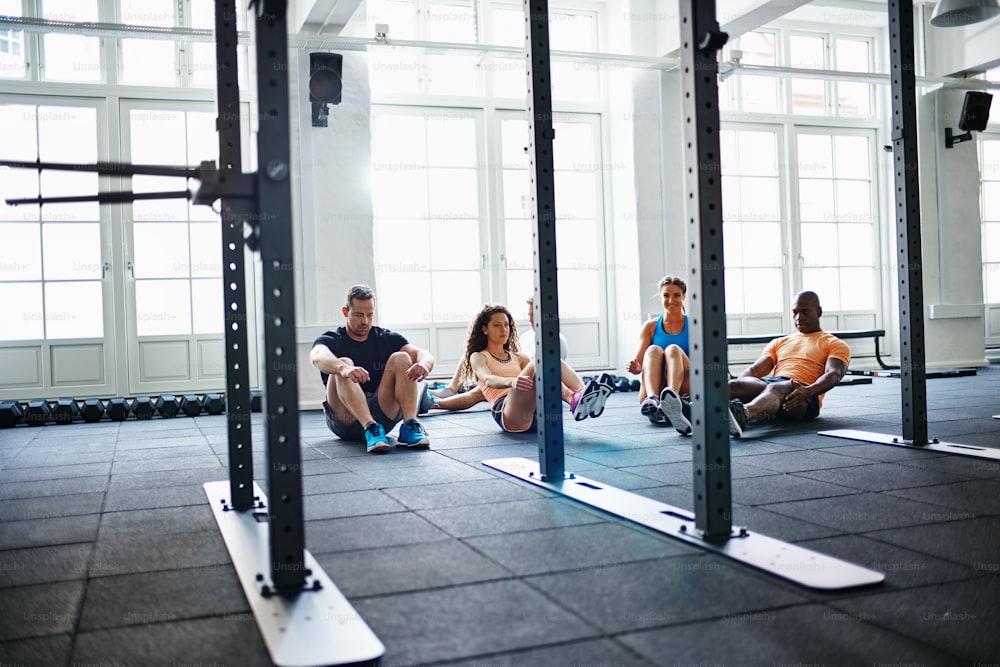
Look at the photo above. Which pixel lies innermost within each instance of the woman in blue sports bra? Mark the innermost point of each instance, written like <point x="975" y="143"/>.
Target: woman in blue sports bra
<point x="662" y="360"/>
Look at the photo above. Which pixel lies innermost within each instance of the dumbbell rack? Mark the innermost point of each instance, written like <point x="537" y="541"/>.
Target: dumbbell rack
<point x="302" y="616"/>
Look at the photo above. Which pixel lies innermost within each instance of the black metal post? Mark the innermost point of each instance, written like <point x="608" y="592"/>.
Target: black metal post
<point x="701" y="38"/>
<point x="234" y="212"/>
<point x="274" y="208"/>
<point x="912" y="357"/>
<point x="548" y="376"/>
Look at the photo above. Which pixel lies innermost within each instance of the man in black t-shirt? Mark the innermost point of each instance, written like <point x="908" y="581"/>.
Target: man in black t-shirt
<point x="371" y="376"/>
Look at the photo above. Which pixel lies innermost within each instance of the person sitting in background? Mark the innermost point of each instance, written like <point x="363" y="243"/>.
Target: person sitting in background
<point x="662" y="360"/>
<point x="793" y="373"/>
<point x="506" y="376"/>
<point x="371" y="376"/>
<point x="456" y="396"/>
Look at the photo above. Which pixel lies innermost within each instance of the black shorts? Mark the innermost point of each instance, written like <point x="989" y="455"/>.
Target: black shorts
<point x="812" y="403"/>
<point x="355" y="431"/>
<point x="497" y="410"/>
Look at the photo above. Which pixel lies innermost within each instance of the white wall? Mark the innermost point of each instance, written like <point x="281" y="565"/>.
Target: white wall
<point x="951" y="235"/>
<point x="952" y="51"/>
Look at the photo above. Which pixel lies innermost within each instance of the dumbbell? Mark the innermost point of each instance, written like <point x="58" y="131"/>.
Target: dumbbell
<point x="37" y="413"/>
<point x="10" y="414"/>
<point x="118" y="409"/>
<point x="635" y="385"/>
<point x="65" y="411"/>
<point x="622" y="383"/>
<point x="214" y="404"/>
<point x="92" y="410"/>
<point x="191" y="405"/>
<point x="143" y="407"/>
<point x="168" y="406"/>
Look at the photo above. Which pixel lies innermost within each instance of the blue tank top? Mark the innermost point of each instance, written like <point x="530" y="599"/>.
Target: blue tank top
<point x="661" y="338"/>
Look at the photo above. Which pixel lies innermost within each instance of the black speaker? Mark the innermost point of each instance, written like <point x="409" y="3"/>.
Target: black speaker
<point x="325" y="83"/>
<point x="975" y="111"/>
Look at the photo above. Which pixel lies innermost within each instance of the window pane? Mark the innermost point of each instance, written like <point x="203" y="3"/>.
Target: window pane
<point x="852" y="158"/>
<point x="573" y="81"/>
<point x="399" y="194"/>
<point x="521" y="285"/>
<point x="451" y="142"/>
<point x="857" y="288"/>
<point x="18" y="184"/>
<point x="991" y="200"/>
<point x="395" y="71"/>
<point x="576" y="195"/>
<point x="21" y="317"/>
<point x="405" y="296"/>
<point x="149" y="62"/>
<point x="206" y="250"/>
<point x="575" y="147"/>
<point x="157" y="137"/>
<point x="456" y="296"/>
<point x="158" y="209"/>
<point x="826" y="283"/>
<point x="401" y="15"/>
<point x="203" y="73"/>
<point x="161" y="250"/>
<point x="508" y="26"/>
<point x="453" y="193"/>
<point x="734" y="291"/>
<point x="20" y="252"/>
<point x="448" y="22"/>
<point x="207" y="306"/>
<point x="453" y="75"/>
<point x="854" y="201"/>
<point x="761" y="243"/>
<point x="12" y="62"/>
<point x="64" y="183"/>
<point x="575" y="247"/>
<point x="816" y="200"/>
<point x="808" y="97"/>
<point x="509" y="77"/>
<point x="518" y="246"/>
<point x="856" y="245"/>
<point x="992" y="286"/>
<point x="398" y="141"/>
<point x="516" y="194"/>
<point x="162" y="307"/>
<point x="570" y="32"/>
<point x="815" y="152"/>
<point x="728" y="151"/>
<point x="402" y="245"/>
<point x="759" y="199"/>
<point x="853" y="99"/>
<point x="762" y="290"/>
<point x="758" y="153"/>
<point x="454" y="245"/>
<point x="514" y="143"/>
<point x="74" y="310"/>
<point x="732" y="237"/>
<point x="71" y="57"/>
<point x="991" y="242"/>
<point x="72" y="251"/>
<point x="578" y="290"/>
<point x="819" y="244"/>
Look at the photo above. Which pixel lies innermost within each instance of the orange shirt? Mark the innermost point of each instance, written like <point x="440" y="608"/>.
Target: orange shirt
<point x="802" y="357"/>
<point x="508" y="369"/>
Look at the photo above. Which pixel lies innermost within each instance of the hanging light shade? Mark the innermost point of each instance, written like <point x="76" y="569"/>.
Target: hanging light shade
<point x="953" y="13"/>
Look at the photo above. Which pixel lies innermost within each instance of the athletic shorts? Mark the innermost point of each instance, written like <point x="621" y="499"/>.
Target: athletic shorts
<point x="812" y="403"/>
<point x="355" y="431"/>
<point x="497" y="410"/>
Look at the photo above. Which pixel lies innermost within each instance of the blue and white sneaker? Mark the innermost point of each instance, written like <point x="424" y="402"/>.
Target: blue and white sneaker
<point x="413" y="435"/>
<point x="677" y="411"/>
<point x="375" y="439"/>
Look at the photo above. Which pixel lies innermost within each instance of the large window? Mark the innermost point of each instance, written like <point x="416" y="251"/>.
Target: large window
<point x="989" y="161"/>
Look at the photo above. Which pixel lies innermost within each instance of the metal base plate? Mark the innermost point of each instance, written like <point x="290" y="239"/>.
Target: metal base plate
<point x="788" y="561"/>
<point x="313" y="627"/>
<point x="930" y="374"/>
<point x="898" y="441"/>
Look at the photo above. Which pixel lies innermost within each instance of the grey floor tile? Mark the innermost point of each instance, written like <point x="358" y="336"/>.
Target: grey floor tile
<point x="409" y="567"/>
<point x="959" y="618"/>
<point x="334" y="483"/>
<point x="54" y="472"/>
<point x="882" y="476"/>
<point x="632" y="457"/>
<point x="429" y="626"/>
<point x="859" y="512"/>
<point x="54" y="487"/>
<point x="151" y="552"/>
<point x="972" y="542"/>
<point x="979" y="497"/>
<point x="48" y="532"/>
<point x="40" y="565"/>
<point x="520" y="515"/>
<point x="380" y="530"/>
<point x="37" y="651"/>
<point x="42" y="609"/>
<point x="158" y="597"/>
<point x="597" y="547"/>
<point x="664" y="592"/>
<point x="150" y="480"/>
<point x="349" y="503"/>
<point x="802" y="460"/>
<point x="596" y="652"/>
<point x="119" y="499"/>
<point x="683" y="472"/>
<point x="161" y="464"/>
<point x="782" y="488"/>
<point x="226" y="640"/>
<point x="761" y="520"/>
<point x="801" y="635"/>
<point x="49" y="507"/>
<point x="454" y="494"/>
<point x="161" y="520"/>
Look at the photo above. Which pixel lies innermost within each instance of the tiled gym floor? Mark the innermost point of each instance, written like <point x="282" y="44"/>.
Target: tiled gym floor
<point x="109" y="554"/>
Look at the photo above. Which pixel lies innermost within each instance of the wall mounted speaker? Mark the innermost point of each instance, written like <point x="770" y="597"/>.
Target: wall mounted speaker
<point x="325" y="77"/>
<point x="975" y="111"/>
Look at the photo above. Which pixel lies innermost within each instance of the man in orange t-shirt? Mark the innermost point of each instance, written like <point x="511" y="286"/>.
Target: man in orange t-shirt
<point x="792" y="374"/>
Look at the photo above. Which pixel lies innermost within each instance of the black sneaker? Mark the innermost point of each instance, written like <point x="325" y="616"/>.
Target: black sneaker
<point x="673" y="407"/>
<point x="737" y="418"/>
<point x="650" y="409"/>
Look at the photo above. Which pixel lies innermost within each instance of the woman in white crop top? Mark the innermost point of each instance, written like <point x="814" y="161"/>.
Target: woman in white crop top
<point x="506" y="376"/>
